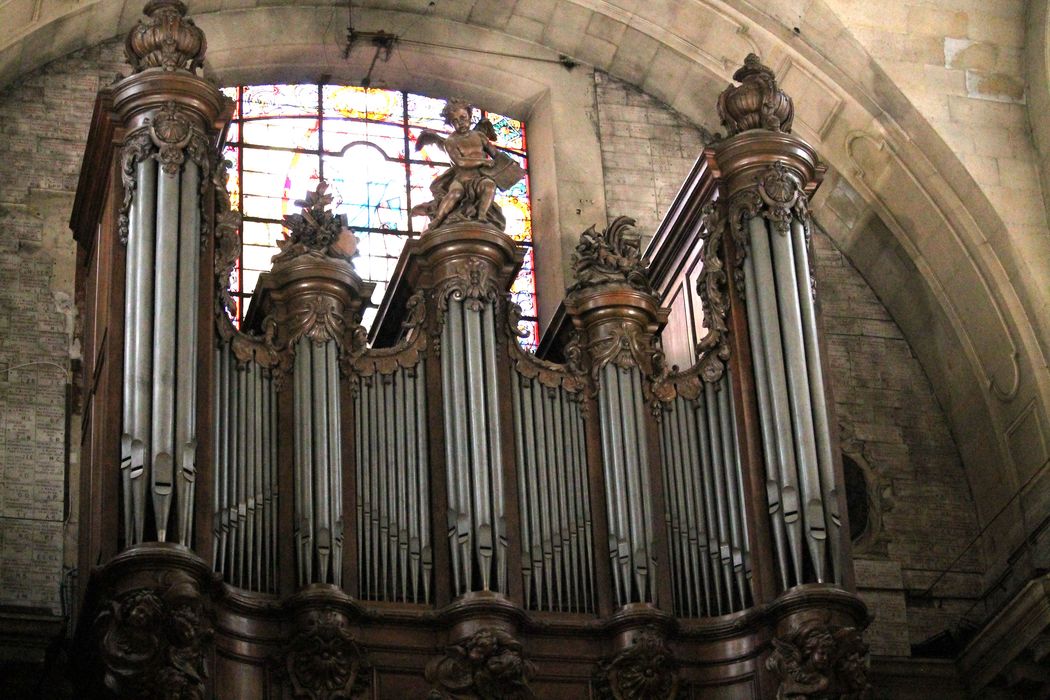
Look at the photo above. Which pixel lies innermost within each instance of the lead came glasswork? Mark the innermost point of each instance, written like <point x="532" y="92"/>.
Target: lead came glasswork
<point x="284" y="138"/>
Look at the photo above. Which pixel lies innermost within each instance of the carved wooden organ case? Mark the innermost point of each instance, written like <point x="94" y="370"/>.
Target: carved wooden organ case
<point x="284" y="511"/>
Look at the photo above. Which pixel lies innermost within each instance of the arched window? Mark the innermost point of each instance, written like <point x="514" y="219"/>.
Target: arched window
<point x="283" y="138"/>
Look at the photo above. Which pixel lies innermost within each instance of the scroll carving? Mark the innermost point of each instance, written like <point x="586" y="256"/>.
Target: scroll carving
<point x="818" y="660"/>
<point x="323" y="661"/>
<point x="138" y="146"/>
<point x="712" y="289"/>
<point x="757" y="103"/>
<point x="646" y="670"/>
<point x="360" y="361"/>
<point x="153" y="640"/>
<point x="227" y="233"/>
<point x="612" y="255"/>
<point x="169" y="137"/>
<point x="550" y="374"/>
<point x="488" y="665"/>
<point x="166" y="40"/>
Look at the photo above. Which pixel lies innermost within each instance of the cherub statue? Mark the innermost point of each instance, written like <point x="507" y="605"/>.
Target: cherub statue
<point x="466" y="190"/>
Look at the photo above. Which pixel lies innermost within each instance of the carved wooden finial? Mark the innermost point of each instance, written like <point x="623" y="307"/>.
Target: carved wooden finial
<point x="757" y="103"/>
<point x="166" y="39"/>
<point x="612" y="255"/>
<point x="317" y="229"/>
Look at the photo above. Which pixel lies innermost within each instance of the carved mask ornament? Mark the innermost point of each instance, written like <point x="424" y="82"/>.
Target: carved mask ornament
<point x="488" y="665"/>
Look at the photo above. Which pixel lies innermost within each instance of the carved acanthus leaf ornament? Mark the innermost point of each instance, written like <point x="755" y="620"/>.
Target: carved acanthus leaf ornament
<point x="153" y="640"/>
<point x="317" y="230"/>
<point x="323" y="661"/>
<point x="646" y="670"/>
<point x="488" y="665"/>
<point x="757" y="103"/>
<point x="612" y="255"/>
<point x="169" y="136"/>
<point x="820" y="661"/>
<point x="166" y="39"/>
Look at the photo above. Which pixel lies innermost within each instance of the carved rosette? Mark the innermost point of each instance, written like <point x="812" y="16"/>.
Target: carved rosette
<point x="488" y="665"/>
<point x="166" y="39"/>
<point x="153" y="640"/>
<point x="817" y="660"/>
<point x="646" y="670"/>
<point x="323" y="661"/>
<point x="757" y="103"/>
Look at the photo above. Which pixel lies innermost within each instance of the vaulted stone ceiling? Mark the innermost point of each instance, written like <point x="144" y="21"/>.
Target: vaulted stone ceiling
<point x="919" y="107"/>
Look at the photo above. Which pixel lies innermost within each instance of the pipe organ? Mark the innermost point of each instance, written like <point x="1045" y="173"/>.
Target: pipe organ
<point x="281" y="510"/>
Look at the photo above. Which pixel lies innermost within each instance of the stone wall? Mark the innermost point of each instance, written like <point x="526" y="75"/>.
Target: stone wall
<point x="922" y="512"/>
<point x="44" y="120"/>
<point x="648" y="150"/>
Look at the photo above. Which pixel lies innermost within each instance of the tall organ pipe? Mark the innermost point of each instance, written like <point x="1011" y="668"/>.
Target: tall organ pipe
<point x="770" y="438"/>
<point x="778" y="394"/>
<point x="816" y="383"/>
<point x="142" y="405"/>
<point x="164" y="309"/>
<point x="801" y="403"/>
<point x="186" y="380"/>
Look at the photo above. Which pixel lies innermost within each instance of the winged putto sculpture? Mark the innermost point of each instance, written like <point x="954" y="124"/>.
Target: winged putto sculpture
<point x="465" y="192"/>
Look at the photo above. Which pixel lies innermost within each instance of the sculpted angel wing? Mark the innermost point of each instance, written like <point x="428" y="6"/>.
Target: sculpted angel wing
<point x="485" y="127"/>
<point x="427" y="137"/>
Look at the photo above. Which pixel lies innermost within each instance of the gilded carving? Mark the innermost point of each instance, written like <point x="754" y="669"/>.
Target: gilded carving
<point x="610" y="256"/>
<point x="323" y="661"/>
<point x="646" y="670"/>
<point x="818" y="660"/>
<point x="166" y="40"/>
<point x="488" y="665"/>
<point x="153" y="640"/>
<point x="757" y="103"/>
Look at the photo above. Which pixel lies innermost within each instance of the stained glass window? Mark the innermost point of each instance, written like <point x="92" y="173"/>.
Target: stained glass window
<point x="284" y="138"/>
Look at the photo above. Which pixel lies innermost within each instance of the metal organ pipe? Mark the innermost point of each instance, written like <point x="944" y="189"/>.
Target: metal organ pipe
<point x="814" y="366"/>
<point x="801" y="403"/>
<point x="144" y="206"/>
<point x="778" y="394"/>
<point x="770" y="438"/>
<point x="186" y="379"/>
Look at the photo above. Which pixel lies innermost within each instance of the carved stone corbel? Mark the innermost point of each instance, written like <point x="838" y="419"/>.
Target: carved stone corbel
<point x="323" y="660"/>
<point x="817" y="660"/>
<point x="645" y="670"/>
<point x="152" y="640"/>
<point x="488" y="665"/>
